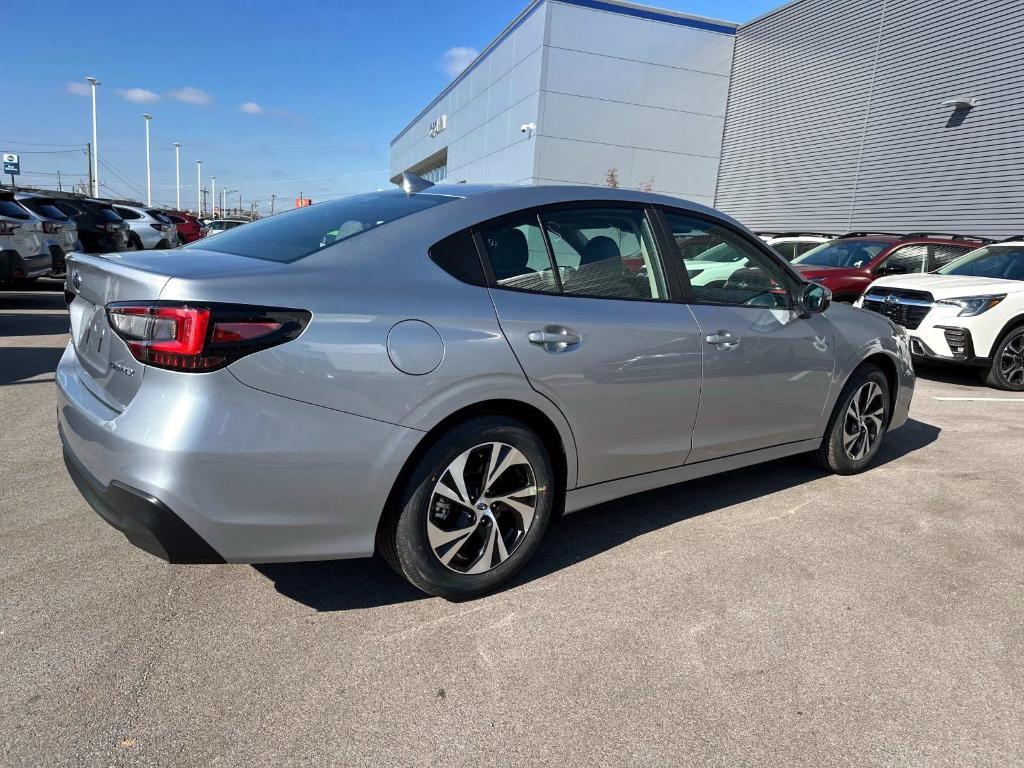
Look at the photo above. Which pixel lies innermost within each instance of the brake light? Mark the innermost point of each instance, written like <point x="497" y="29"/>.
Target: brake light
<point x="181" y="337"/>
<point x="52" y="228"/>
<point x="7" y="229"/>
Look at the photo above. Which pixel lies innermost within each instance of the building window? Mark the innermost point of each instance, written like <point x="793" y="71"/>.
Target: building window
<point x="436" y="174"/>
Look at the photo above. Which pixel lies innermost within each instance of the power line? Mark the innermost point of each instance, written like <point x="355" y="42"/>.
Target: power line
<point x="36" y="144"/>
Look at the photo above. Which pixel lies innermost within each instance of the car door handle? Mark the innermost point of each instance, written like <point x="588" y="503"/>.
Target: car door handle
<point x="723" y="340"/>
<point x="549" y="337"/>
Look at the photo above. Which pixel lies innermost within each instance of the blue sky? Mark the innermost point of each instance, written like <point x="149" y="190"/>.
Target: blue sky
<point x="326" y="86"/>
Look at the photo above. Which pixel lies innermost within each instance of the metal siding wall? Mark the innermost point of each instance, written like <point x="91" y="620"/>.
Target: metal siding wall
<point x="817" y="138"/>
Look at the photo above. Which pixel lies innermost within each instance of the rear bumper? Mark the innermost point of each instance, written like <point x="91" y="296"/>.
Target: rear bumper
<point x="144" y="520"/>
<point x="254" y="477"/>
<point x="14" y="266"/>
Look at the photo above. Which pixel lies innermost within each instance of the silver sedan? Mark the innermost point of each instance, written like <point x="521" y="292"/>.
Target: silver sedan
<point x="436" y="374"/>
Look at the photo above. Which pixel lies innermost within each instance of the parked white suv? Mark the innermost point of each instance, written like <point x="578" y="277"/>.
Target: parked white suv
<point x="970" y="312"/>
<point x="789" y="245"/>
<point x="148" y="228"/>
<point x="23" y="256"/>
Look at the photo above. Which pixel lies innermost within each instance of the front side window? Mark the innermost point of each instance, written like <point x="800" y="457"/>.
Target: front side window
<point x="1005" y="262"/>
<point x="752" y="279"/>
<point x="849" y="254"/>
<point x="908" y="260"/>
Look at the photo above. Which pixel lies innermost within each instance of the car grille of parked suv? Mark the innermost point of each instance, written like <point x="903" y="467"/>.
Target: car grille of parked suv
<point x="906" y="308"/>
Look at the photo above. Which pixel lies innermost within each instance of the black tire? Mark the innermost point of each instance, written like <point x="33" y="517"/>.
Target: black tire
<point x="833" y="456"/>
<point x="403" y="540"/>
<point x="134" y="244"/>
<point x="998" y="378"/>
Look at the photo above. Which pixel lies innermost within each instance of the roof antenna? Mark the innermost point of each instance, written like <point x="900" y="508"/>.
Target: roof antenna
<point x="411" y="183"/>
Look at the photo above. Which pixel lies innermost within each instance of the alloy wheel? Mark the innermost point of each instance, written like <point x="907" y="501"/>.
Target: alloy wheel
<point x="1011" y="361"/>
<point x="481" y="508"/>
<point x="864" y="419"/>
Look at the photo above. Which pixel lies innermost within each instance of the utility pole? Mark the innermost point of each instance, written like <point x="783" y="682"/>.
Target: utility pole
<point x="202" y="200"/>
<point x="199" y="187"/>
<point x="272" y="204"/>
<point x="239" y="202"/>
<point x="149" y="181"/>
<point x="59" y="187"/>
<point x="177" y="175"/>
<point x="95" y="143"/>
<point x="213" y="194"/>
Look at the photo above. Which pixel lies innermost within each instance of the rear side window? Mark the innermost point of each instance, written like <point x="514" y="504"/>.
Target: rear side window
<point x="12" y="210"/>
<point x="944" y="254"/>
<point x="105" y="212"/>
<point x="68" y="210"/>
<point x="175" y="219"/>
<point x="296" y="234"/>
<point x="458" y="257"/>
<point x="127" y="214"/>
<point x="159" y="217"/>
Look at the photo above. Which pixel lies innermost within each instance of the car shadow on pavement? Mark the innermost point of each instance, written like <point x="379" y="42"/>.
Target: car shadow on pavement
<point x="347" y="584"/>
<point x="20" y="363"/>
<point x="965" y="377"/>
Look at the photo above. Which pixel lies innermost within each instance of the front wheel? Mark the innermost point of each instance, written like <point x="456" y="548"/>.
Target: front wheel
<point x="1007" y="371"/>
<point x="473" y="511"/>
<point x="858" y="423"/>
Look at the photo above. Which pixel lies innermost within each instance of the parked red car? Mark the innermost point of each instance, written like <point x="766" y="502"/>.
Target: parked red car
<point x="189" y="227"/>
<point x="849" y="264"/>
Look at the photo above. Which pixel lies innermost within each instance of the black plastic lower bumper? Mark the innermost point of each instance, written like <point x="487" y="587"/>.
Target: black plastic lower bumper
<point x="960" y="343"/>
<point x="144" y="520"/>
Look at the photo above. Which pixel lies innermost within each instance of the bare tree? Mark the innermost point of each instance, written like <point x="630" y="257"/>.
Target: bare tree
<point x="611" y="179"/>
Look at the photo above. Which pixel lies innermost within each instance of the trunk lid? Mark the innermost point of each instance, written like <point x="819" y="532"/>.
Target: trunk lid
<point x="107" y="368"/>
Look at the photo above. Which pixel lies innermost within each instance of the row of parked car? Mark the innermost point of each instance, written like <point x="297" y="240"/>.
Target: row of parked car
<point x="960" y="298"/>
<point x="39" y="229"/>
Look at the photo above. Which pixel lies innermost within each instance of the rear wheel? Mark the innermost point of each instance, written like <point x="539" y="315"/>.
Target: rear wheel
<point x="858" y="423"/>
<point x="1007" y="371"/>
<point x="473" y="511"/>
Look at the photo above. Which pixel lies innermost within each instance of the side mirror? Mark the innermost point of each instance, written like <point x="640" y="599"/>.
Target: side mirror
<point x="815" y="299"/>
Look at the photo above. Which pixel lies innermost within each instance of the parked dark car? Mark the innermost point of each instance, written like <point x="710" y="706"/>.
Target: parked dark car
<point x="100" y="229"/>
<point x="190" y="228"/>
<point x="849" y="264"/>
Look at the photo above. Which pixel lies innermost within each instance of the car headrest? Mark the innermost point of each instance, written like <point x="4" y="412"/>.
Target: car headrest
<point x="511" y="253"/>
<point x="601" y="248"/>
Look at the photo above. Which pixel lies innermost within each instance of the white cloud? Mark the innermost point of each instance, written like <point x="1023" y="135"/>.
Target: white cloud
<point x="454" y="60"/>
<point x="138" y="95"/>
<point x="251" y="108"/>
<point x="78" y="89"/>
<point x="191" y="95"/>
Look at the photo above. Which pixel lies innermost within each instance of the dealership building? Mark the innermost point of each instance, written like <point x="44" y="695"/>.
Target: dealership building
<point x="888" y="115"/>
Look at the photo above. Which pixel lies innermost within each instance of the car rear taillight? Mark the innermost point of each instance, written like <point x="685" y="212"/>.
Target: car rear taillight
<point x="197" y="338"/>
<point x="52" y="228"/>
<point x="7" y="229"/>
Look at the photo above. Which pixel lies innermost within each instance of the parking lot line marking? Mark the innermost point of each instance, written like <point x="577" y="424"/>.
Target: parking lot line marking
<point x="981" y="399"/>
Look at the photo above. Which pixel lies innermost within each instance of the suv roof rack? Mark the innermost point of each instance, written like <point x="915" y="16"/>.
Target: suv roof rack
<point x="869" y="234"/>
<point x="796" y="235"/>
<point x="947" y="236"/>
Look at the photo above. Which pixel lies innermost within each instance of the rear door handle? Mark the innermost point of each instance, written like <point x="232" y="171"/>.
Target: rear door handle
<point x="551" y="338"/>
<point x="723" y="340"/>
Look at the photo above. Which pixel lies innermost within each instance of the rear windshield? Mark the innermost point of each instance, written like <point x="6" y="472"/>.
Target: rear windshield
<point x="12" y="210"/>
<point x="290" y="236"/>
<point x="842" y="253"/>
<point x="105" y="212"/>
<point x="159" y="217"/>
<point x="45" y="208"/>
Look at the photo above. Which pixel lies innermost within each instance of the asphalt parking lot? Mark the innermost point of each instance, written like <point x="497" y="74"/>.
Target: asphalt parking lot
<point x="770" y="617"/>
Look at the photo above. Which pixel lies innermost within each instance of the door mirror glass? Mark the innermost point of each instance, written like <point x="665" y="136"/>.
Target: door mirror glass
<point x="815" y="299"/>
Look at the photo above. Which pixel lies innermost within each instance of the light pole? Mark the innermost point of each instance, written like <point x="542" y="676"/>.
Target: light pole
<point x="213" y="195"/>
<point x="199" y="188"/>
<point x="95" y="145"/>
<point x="177" y="176"/>
<point x="149" y="181"/>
